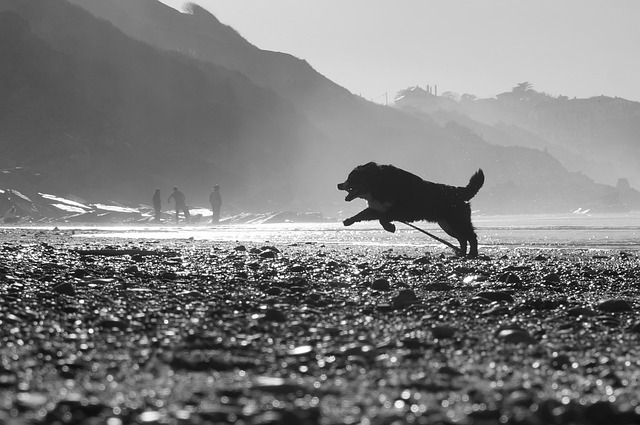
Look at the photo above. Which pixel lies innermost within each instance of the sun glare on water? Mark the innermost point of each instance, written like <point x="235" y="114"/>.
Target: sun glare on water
<point x="551" y="231"/>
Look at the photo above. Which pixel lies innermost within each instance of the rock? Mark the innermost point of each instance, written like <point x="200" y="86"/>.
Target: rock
<point x="474" y="278"/>
<point x="300" y="350"/>
<point x="412" y="343"/>
<point x="614" y="305"/>
<point x="509" y="277"/>
<point x="560" y="361"/>
<point x="551" y="278"/>
<point x="384" y="307"/>
<point x="168" y="275"/>
<point x="541" y="304"/>
<point x="274" y="290"/>
<point x="581" y="311"/>
<point x="131" y="269"/>
<point x="65" y="288"/>
<point x="496" y="296"/>
<point x="516" y="336"/>
<point x="422" y="260"/>
<point x="112" y="323"/>
<point x="381" y="285"/>
<point x="449" y="371"/>
<point x="443" y="331"/>
<point x="31" y="400"/>
<point x="274" y="315"/>
<point x="609" y="321"/>
<point x="267" y="253"/>
<point x="404" y="298"/>
<point x="297" y="268"/>
<point x="276" y="385"/>
<point x="270" y="248"/>
<point x="495" y="310"/>
<point x="74" y="410"/>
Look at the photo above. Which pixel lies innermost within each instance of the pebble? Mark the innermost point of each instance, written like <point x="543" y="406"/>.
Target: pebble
<point x="267" y="253"/>
<point x="581" y="311"/>
<point x="443" y="331"/>
<point x="381" y="285"/>
<point x="65" y="288"/>
<point x="614" y="305"/>
<point x="516" y="336"/>
<point x="509" y="277"/>
<point x="496" y="296"/>
<point x="551" y="278"/>
<point x="300" y="350"/>
<point x="404" y="298"/>
<point x="235" y="338"/>
<point x="274" y="315"/>
<point x="277" y="385"/>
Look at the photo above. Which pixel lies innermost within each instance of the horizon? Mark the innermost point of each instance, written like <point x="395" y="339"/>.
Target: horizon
<point x="375" y="50"/>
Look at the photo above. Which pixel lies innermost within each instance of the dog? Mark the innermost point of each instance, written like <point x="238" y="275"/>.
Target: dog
<point x="394" y="194"/>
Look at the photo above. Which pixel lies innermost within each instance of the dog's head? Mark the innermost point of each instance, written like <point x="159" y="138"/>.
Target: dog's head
<point x="358" y="183"/>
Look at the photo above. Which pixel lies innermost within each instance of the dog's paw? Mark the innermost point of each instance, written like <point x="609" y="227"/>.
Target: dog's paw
<point x="389" y="227"/>
<point x="348" y="221"/>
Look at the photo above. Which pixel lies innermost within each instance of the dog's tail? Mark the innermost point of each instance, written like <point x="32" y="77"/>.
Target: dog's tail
<point x="475" y="183"/>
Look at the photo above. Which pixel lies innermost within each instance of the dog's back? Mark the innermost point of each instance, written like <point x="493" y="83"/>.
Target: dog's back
<point x="415" y="198"/>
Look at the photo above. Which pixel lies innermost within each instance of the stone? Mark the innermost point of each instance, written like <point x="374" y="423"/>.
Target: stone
<point x="614" y="305"/>
<point x="381" y="285"/>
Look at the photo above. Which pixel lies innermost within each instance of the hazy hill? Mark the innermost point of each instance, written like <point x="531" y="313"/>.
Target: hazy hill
<point x="97" y="111"/>
<point x="148" y="97"/>
<point x="597" y="135"/>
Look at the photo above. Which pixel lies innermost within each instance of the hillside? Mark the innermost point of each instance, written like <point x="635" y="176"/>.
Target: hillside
<point x="96" y="111"/>
<point x="596" y="135"/>
<point x="132" y="95"/>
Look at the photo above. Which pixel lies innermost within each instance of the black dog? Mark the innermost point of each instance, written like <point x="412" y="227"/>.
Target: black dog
<point x="397" y="195"/>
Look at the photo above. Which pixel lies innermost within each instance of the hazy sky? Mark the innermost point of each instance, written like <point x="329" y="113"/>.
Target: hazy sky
<point x="576" y="48"/>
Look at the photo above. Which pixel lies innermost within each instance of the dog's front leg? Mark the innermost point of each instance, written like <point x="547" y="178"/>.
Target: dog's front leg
<point x="364" y="215"/>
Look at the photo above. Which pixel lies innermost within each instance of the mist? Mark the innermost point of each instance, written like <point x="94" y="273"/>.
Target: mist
<point x="109" y="100"/>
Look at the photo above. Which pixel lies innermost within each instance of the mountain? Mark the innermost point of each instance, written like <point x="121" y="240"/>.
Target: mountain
<point x="100" y="113"/>
<point x="114" y="98"/>
<point x="597" y="135"/>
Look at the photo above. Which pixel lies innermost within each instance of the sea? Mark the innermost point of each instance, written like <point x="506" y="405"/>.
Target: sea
<point x="620" y="231"/>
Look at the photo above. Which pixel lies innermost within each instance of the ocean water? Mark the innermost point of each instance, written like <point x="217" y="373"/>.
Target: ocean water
<point x="571" y="231"/>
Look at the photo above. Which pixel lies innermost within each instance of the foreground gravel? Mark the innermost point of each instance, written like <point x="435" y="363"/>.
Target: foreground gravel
<point x="98" y="331"/>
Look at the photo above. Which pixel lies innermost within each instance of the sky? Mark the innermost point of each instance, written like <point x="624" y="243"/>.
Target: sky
<point x="374" y="48"/>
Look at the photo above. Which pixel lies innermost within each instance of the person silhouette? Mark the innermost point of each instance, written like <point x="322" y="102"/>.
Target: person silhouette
<point x="216" y="204"/>
<point x="181" y="205"/>
<point x="157" y="204"/>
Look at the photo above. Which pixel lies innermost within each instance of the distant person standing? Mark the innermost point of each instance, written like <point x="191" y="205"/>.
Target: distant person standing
<point x="157" y="204"/>
<point x="181" y="205"/>
<point x="216" y="204"/>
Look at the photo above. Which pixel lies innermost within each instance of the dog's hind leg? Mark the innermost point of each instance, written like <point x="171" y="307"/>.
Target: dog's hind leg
<point x="449" y="230"/>
<point x="465" y="233"/>
<point x="470" y="235"/>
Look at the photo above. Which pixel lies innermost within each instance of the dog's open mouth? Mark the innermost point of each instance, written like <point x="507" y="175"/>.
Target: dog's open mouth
<point x="352" y="192"/>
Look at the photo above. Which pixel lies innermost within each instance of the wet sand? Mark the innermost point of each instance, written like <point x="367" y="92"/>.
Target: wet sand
<point x="184" y="331"/>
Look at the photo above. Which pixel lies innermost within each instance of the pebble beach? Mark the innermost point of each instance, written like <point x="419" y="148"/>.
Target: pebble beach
<point x="116" y="331"/>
